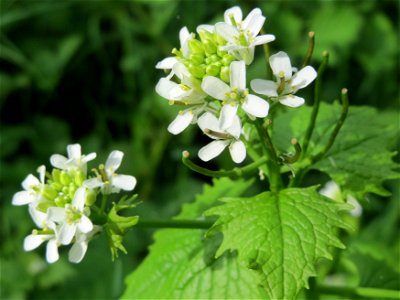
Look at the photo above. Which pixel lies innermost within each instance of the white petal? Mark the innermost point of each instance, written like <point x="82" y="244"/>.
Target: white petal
<point x="181" y="71"/>
<point x="177" y="93"/>
<point x="208" y="121"/>
<point x="205" y="27"/>
<point x="263" y="39"/>
<point x="85" y="225"/>
<point x="291" y="100"/>
<point x="93" y="183"/>
<point x="52" y="251"/>
<point x="212" y="150"/>
<point x="181" y="122"/>
<point x="33" y="241"/>
<point x="79" y="198"/>
<point x="254" y="21"/>
<point x="234" y="12"/>
<point x="42" y="173"/>
<point x="58" y="161"/>
<point x="256" y="106"/>
<point x="77" y="252"/>
<point x="215" y="87"/>
<point x="23" y="197"/>
<point x="124" y="182"/>
<point x="280" y="65"/>
<point x="74" y="151"/>
<point x="89" y="157"/>
<point x="56" y="214"/>
<point x="167" y="63"/>
<point x="37" y="216"/>
<point x="228" y="113"/>
<point x="114" y="160"/>
<point x="66" y="233"/>
<point x="237" y="150"/>
<point x="29" y="182"/>
<point x="303" y="77"/>
<point x="184" y="34"/>
<point x="164" y="86"/>
<point x="264" y="87"/>
<point x="226" y="31"/>
<point x="236" y="128"/>
<point x="238" y="75"/>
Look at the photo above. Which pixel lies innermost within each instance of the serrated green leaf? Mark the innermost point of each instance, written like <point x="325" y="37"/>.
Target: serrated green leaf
<point x="359" y="161"/>
<point x="181" y="263"/>
<point x="280" y="235"/>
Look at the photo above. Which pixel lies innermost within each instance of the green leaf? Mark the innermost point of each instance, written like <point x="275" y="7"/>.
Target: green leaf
<point x="359" y="160"/>
<point x="181" y="263"/>
<point x="280" y="235"/>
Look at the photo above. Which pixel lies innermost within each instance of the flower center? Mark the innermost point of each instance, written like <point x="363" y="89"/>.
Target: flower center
<point x="73" y="214"/>
<point x="236" y="96"/>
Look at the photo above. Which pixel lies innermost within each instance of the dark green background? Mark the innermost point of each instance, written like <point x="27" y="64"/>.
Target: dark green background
<point x="83" y="71"/>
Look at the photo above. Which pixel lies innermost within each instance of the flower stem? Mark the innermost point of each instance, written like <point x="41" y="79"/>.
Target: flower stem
<point x="317" y="100"/>
<point x="352" y="292"/>
<point x="183" y="224"/>
<point x="339" y="124"/>
<point x="310" y="50"/>
<point x="235" y="172"/>
<point x="273" y="162"/>
<point x="266" y="56"/>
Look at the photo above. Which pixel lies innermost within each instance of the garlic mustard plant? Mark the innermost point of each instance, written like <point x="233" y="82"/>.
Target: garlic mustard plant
<point x="263" y="227"/>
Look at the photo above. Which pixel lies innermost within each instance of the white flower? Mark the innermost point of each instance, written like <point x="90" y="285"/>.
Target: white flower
<point x="223" y="138"/>
<point x="32" y="188"/>
<point x="35" y="239"/>
<point x="184" y="38"/>
<point x="186" y="93"/>
<point x="108" y="180"/>
<point x="75" y="159"/>
<point x="287" y="83"/>
<point x="71" y="217"/>
<point x="79" y="248"/>
<point x="242" y="36"/>
<point x="234" y="95"/>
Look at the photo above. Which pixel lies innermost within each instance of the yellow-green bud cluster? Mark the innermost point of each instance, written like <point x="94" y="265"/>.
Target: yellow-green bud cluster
<point x="206" y="59"/>
<point x="61" y="187"/>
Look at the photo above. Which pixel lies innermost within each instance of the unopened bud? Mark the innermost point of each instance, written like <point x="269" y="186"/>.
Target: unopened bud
<point x="197" y="71"/>
<point x="196" y="47"/>
<point x="65" y="179"/>
<point x="213" y="70"/>
<point x="197" y="59"/>
<point x="227" y="59"/>
<point x="224" y="74"/>
<point x="209" y="47"/>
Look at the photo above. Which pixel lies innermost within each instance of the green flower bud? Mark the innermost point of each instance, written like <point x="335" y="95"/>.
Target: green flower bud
<point x="71" y="190"/>
<point x="56" y="186"/>
<point x="56" y="175"/>
<point x="44" y="205"/>
<point x="214" y="58"/>
<point x="197" y="59"/>
<point x="79" y="178"/>
<point x="90" y="197"/>
<point x="196" y="47"/>
<point x="49" y="193"/>
<point x="65" y="179"/>
<point x="224" y="74"/>
<point x="213" y="70"/>
<point x="60" y="201"/>
<point x="227" y="59"/>
<point x="65" y="189"/>
<point x="205" y="35"/>
<point x="197" y="71"/>
<point x="221" y="53"/>
<point x="209" y="47"/>
<point x="219" y="39"/>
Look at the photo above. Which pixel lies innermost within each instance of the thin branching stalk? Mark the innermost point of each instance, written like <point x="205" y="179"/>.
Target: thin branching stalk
<point x="310" y="50"/>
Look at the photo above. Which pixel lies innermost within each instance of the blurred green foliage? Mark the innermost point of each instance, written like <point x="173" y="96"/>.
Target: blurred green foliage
<point x="83" y="71"/>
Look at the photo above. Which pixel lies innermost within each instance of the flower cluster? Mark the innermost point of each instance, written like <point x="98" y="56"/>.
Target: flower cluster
<point x="207" y="76"/>
<point x="60" y="202"/>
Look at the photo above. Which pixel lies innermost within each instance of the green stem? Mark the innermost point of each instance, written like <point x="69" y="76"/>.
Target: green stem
<point x="266" y="56"/>
<point x="235" y="172"/>
<point x="103" y="203"/>
<point x="273" y="162"/>
<point x="310" y="50"/>
<point x="339" y="124"/>
<point x="317" y="100"/>
<point x="351" y="292"/>
<point x="184" y="224"/>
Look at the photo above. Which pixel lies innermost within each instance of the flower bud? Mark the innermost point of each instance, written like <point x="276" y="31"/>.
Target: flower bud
<point x="56" y="175"/>
<point x="209" y="47"/>
<point x="213" y="70"/>
<point x="224" y="74"/>
<point x="196" y="47"/>
<point x="205" y="35"/>
<point x="219" y="39"/>
<point x="90" y="197"/>
<point x="65" y="179"/>
<point x="197" y="59"/>
<point x="49" y="193"/>
<point x="197" y="71"/>
<point x="227" y="59"/>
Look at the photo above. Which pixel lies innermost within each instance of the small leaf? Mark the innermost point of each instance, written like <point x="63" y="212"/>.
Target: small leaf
<point x="280" y="235"/>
